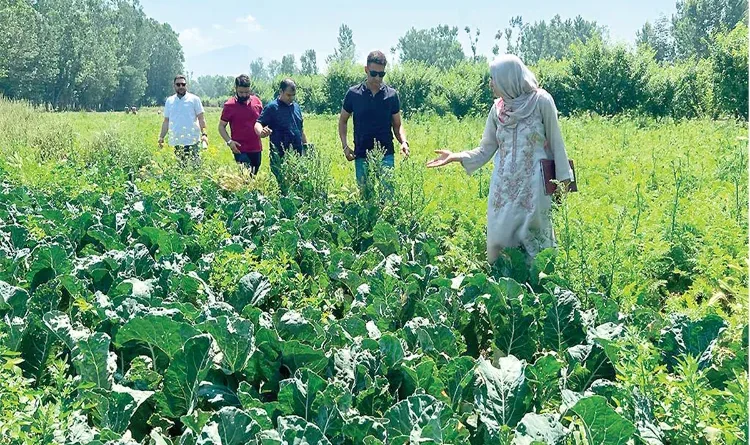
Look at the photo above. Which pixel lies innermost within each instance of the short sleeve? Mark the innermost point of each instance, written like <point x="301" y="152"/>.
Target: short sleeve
<point x="226" y="113"/>
<point x="198" y="105"/>
<point x="266" y="116"/>
<point x="167" y="109"/>
<point x="348" y="104"/>
<point x="395" y="104"/>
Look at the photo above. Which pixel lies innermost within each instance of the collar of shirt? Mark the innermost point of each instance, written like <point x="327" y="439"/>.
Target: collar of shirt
<point x="364" y="87"/>
<point x="281" y="103"/>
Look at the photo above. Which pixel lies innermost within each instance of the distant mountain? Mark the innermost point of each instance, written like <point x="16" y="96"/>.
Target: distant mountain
<point x="230" y="61"/>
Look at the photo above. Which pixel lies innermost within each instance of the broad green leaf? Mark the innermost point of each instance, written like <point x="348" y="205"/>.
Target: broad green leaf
<point x="602" y="424"/>
<point x="229" y="426"/>
<point x="292" y="325"/>
<point x="435" y="339"/>
<point x="429" y="380"/>
<point x="156" y="331"/>
<point x="196" y="420"/>
<point x="458" y="375"/>
<point x="181" y="380"/>
<point x="645" y="422"/>
<point x="515" y="328"/>
<point x="92" y="360"/>
<point x="48" y="262"/>
<point x="562" y="326"/>
<point x="297" y="395"/>
<point x="295" y="355"/>
<point x="217" y="395"/>
<point x="419" y="418"/>
<point x="235" y="339"/>
<point x="391" y="350"/>
<point x="587" y="363"/>
<point x="36" y="345"/>
<point x="691" y="337"/>
<point x="13" y="300"/>
<point x="329" y="407"/>
<point x="543" y="377"/>
<point x="357" y="428"/>
<point x="543" y="428"/>
<point x="167" y="242"/>
<point x="252" y="289"/>
<point x="90" y="351"/>
<point x="295" y="430"/>
<point x="385" y="238"/>
<point x="500" y="393"/>
<point x="106" y="236"/>
<point x="114" y="409"/>
<point x="139" y="290"/>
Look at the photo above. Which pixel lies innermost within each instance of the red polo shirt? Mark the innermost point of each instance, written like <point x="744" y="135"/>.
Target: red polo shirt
<point x="241" y="118"/>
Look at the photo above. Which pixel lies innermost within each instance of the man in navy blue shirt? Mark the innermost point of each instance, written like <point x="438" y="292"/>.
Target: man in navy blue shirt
<point x="377" y="118"/>
<point x="283" y="117"/>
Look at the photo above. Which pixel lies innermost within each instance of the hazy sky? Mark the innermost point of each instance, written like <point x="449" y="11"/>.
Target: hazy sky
<point x="221" y="37"/>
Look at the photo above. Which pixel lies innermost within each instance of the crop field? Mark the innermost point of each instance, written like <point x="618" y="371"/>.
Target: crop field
<point x="145" y="303"/>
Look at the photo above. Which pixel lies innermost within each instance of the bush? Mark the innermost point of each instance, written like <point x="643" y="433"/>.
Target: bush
<point x="414" y="82"/>
<point x="340" y="77"/>
<point x="554" y="76"/>
<point x="730" y="71"/>
<point x="606" y="80"/>
<point x="311" y="94"/>
<point x="463" y="90"/>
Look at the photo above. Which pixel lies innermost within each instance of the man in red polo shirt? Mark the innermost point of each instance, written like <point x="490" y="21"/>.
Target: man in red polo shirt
<point x="240" y="112"/>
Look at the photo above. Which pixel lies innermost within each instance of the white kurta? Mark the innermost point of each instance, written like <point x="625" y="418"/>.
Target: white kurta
<point x="518" y="212"/>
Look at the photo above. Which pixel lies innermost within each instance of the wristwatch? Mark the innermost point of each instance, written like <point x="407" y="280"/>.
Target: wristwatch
<point x="229" y="142"/>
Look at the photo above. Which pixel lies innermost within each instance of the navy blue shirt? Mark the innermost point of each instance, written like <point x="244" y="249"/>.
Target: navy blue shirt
<point x="372" y="117"/>
<point x="286" y="123"/>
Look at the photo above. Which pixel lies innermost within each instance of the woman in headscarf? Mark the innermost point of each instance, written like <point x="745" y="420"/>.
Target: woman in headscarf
<point x="521" y="130"/>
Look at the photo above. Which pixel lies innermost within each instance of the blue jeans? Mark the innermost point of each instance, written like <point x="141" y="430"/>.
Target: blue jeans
<point x="383" y="173"/>
<point x="360" y="167"/>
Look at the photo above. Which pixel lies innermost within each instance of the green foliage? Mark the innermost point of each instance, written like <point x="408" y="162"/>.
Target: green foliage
<point x="143" y="302"/>
<point x="730" y="71"/>
<point x="438" y="47"/>
<point x="95" y="54"/>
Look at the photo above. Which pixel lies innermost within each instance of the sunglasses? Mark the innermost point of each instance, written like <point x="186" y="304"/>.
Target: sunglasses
<point x="180" y="84"/>
<point x="374" y="73"/>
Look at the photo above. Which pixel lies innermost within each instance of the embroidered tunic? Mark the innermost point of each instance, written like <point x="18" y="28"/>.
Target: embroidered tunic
<point x="518" y="211"/>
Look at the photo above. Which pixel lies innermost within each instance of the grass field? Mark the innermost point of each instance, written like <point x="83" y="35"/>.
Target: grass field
<point x="653" y="249"/>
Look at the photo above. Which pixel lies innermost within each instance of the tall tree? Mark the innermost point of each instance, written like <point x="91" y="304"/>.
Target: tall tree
<point x="437" y="46"/>
<point x="696" y="21"/>
<point x="288" y="65"/>
<point x="541" y="40"/>
<point x="346" y="51"/>
<point x="273" y="69"/>
<point x="658" y="37"/>
<point x="309" y="62"/>
<point x="165" y="61"/>
<point x="473" y="42"/>
<point x="258" y="69"/>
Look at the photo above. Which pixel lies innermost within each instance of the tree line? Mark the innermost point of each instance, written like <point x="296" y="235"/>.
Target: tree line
<point x="108" y="55"/>
<point x="692" y="64"/>
<point x="86" y="54"/>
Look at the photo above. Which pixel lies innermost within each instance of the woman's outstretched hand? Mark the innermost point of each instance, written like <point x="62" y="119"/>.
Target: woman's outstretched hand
<point x="444" y="157"/>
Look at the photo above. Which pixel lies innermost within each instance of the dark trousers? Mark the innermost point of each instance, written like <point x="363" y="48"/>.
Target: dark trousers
<point x="249" y="160"/>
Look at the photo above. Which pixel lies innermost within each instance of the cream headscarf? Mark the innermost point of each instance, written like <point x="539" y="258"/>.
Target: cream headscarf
<point x="517" y="86"/>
